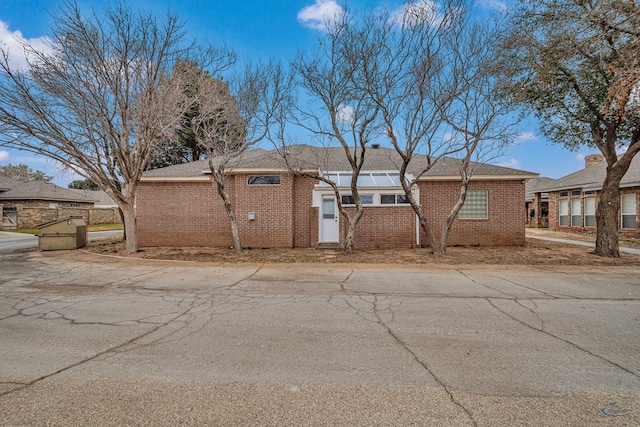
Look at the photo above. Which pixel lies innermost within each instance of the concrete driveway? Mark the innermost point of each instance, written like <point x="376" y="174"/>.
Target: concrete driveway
<point x="87" y="340"/>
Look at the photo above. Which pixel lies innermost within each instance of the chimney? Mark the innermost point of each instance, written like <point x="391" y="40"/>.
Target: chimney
<point x="592" y="159"/>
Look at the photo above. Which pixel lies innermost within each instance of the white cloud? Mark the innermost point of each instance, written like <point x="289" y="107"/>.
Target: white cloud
<point x="580" y="156"/>
<point x="345" y="114"/>
<point x="421" y="11"/>
<point x="494" y="4"/>
<point x="13" y="42"/>
<point x="511" y="163"/>
<point x="525" y="137"/>
<point x="4" y="156"/>
<point x="320" y="14"/>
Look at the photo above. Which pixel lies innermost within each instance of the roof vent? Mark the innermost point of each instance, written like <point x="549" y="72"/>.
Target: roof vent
<point x="375" y="146"/>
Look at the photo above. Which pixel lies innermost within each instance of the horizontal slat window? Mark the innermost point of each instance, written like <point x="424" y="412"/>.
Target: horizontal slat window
<point x="563" y="213"/>
<point x="576" y="213"/>
<point x="590" y="212"/>
<point x="628" y="211"/>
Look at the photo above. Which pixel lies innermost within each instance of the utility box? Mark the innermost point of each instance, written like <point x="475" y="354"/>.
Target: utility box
<point x="68" y="233"/>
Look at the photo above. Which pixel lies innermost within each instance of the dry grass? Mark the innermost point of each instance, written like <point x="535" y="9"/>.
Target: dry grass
<point x="535" y="252"/>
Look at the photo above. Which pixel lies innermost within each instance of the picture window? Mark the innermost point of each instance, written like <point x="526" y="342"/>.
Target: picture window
<point x="263" y="180"/>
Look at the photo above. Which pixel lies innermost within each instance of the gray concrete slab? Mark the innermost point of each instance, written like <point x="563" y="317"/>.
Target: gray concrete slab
<point x="622" y="249"/>
<point x="89" y="340"/>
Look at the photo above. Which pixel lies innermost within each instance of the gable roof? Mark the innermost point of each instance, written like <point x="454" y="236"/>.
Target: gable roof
<point x="306" y="157"/>
<point x="592" y="177"/>
<point x="37" y="190"/>
<point x="99" y="197"/>
<point x="535" y="185"/>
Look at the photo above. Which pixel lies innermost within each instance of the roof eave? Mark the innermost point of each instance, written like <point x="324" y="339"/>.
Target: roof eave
<point x="478" y="177"/>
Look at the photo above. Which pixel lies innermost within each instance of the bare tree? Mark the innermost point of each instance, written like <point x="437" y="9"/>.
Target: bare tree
<point x="422" y="78"/>
<point x="233" y="117"/>
<point x="102" y="98"/>
<point x="442" y="102"/>
<point x="339" y="111"/>
<point x="575" y="65"/>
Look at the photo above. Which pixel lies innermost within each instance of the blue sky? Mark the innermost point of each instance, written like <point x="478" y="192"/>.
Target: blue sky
<point x="262" y="29"/>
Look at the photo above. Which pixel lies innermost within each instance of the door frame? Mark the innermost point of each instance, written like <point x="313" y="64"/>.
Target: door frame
<point x="321" y="220"/>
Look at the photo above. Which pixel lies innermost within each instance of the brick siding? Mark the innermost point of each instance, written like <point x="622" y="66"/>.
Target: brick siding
<point x="192" y="214"/>
<point x="30" y="213"/>
<point x="554" y="212"/>
<point x="504" y="225"/>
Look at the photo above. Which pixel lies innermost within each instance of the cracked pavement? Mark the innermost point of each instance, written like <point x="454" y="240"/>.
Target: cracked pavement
<point x="88" y="340"/>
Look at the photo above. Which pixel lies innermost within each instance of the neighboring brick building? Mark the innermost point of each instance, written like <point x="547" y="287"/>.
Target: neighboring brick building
<point x="537" y="208"/>
<point x="179" y="206"/>
<point x="25" y="204"/>
<point x="573" y="199"/>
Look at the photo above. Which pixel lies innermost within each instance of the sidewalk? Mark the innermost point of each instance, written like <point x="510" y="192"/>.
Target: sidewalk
<point x="569" y="238"/>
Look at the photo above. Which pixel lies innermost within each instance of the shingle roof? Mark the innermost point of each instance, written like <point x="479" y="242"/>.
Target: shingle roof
<point x="37" y="190"/>
<point x="592" y="178"/>
<point x="100" y="198"/>
<point x="535" y="185"/>
<point x="332" y="159"/>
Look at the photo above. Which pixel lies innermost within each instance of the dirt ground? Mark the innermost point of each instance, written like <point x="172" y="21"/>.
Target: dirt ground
<point x="535" y="252"/>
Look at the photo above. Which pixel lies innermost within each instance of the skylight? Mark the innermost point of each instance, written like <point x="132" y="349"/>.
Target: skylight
<point x="365" y="179"/>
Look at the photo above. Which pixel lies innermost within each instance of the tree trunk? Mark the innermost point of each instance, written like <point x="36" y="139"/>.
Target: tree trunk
<point x="441" y="247"/>
<point x="349" y="240"/>
<point x="124" y="228"/>
<point x="607" y="215"/>
<point x="228" y="207"/>
<point x="129" y="216"/>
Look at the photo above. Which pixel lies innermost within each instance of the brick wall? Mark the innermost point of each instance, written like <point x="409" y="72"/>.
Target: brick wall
<point x="192" y="214"/>
<point x="305" y="217"/>
<point x="554" y="198"/>
<point x="31" y="213"/>
<point x="504" y="225"/>
<point x="383" y="227"/>
<point x="182" y="214"/>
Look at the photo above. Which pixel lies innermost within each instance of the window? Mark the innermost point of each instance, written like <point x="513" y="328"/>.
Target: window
<point x="628" y="211"/>
<point x="366" y="199"/>
<point x="475" y="205"/>
<point x="263" y="180"/>
<point x="590" y="212"/>
<point x="393" y="199"/>
<point x="75" y="205"/>
<point x="564" y="193"/>
<point x="575" y="193"/>
<point x="576" y="214"/>
<point x="366" y="179"/>
<point x="563" y="213"/>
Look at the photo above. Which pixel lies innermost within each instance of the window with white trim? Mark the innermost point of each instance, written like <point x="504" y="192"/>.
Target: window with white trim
<point x="628" y="211"/>
<point x="576" y="213"/>
<point x="393" y="199"/>
<point x="347" y="199"/>
<point x="563" y="213"/>
<point x="263" y="180"/>
<point x="475" y="205"/>
<point x="590" y="212"/>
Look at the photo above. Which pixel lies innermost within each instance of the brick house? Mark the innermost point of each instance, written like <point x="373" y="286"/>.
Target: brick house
<point x="179" y="206"/>
<point x="537" y="209"/>
<point x="573" y="198"/>
<point x="25" y="204"/>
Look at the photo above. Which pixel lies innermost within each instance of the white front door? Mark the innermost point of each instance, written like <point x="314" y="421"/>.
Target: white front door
<point x="330" y="231"/>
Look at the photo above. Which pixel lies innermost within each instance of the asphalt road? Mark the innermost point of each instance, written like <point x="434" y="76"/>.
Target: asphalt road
<point x="87" y="340"/>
